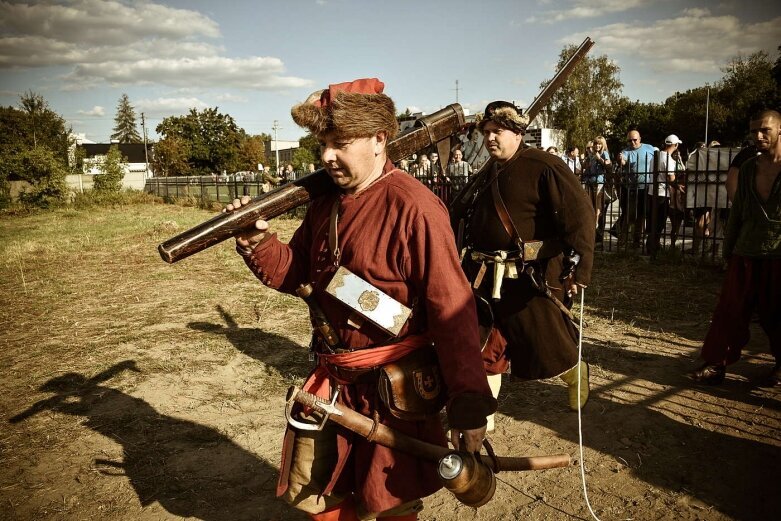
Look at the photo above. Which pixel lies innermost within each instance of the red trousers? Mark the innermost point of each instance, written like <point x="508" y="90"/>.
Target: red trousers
<point x="750" y="285"/>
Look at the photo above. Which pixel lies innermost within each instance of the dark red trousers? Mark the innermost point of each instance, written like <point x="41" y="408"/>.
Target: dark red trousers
<point x="749" y="285"/>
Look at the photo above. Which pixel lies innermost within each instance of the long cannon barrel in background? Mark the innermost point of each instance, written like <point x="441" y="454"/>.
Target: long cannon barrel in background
<point x="463" y="198"/>
<point x="428" y="131"/>
<point x="558" y="80"/>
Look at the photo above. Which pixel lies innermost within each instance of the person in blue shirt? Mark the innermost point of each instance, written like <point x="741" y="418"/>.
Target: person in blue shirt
<point x="636" y="164"/>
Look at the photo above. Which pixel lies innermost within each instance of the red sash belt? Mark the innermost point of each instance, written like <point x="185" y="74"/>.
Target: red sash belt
<point x="318" y="382"/>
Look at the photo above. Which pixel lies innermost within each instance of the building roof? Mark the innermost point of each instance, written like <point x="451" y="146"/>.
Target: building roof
<point x="133" y="151"/>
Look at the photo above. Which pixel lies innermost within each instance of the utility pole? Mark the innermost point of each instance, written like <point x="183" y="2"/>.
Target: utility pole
<point x="707" y="106"/>
<point x="146" y="153"/>
<point x="276" y="143"/>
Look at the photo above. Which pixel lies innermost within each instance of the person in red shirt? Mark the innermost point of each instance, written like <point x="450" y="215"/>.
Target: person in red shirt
<point x="387" y="228"/>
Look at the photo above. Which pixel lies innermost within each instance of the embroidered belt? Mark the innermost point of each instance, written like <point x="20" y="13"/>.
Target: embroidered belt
<point x="505" y="267"/>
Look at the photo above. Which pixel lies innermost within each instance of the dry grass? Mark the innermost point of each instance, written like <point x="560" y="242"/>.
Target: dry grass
<point x="143" y="390"/>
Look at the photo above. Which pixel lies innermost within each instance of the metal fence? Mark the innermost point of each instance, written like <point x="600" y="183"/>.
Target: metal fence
<point x="222" y="189"/>
<point x="658" y="206"/>
<point x="640" y="210"/>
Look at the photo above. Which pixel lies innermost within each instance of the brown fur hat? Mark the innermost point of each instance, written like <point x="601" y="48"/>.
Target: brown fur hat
<point x="506" y="115"/>
<point x="353" y="109"/>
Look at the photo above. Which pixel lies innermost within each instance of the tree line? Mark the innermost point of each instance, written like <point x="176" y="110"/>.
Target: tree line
<point x="591" y="103"/>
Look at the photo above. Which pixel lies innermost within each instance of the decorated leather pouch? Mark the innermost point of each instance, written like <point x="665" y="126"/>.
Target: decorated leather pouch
<point x="412" y="387"/>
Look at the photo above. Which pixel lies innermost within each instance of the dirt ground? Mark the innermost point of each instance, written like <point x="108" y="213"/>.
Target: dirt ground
<point x="135" y="390"/>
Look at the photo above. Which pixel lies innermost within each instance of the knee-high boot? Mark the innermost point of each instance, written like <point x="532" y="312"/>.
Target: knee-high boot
<point x="570" y="377"/>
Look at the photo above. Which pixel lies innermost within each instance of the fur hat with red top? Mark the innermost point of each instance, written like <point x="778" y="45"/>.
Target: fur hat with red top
<point x="351" y="109"/>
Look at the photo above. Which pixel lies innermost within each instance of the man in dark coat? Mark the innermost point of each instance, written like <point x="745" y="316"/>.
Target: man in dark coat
<point x="529" y="229"/>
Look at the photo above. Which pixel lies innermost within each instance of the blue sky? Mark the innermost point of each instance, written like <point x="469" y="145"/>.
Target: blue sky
<point x="255" y="59"/>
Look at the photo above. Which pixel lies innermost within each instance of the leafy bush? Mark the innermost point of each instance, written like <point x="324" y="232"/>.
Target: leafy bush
<point x="46" y="174"/>
<point x="112" y="170"/>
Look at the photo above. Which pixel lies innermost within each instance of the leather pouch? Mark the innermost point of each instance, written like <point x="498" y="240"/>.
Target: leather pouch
<point x="412" y="387"/>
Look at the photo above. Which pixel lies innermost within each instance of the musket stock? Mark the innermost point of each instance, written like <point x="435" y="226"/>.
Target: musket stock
<point x="428" y="131"/>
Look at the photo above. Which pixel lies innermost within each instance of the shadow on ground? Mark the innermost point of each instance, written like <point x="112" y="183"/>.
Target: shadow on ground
<point x="288" y="357"/>
<point x="658" y="435"/>
<point x="190" y="469"/>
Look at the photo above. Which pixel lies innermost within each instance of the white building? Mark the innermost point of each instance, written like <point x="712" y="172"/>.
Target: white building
<point x="136" y="172"/>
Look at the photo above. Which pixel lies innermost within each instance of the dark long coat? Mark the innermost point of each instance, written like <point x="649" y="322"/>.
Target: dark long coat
<point x="546" y="203"/>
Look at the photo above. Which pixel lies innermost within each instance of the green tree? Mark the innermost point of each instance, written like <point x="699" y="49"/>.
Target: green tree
<point x="748" y="86"/>
<point x="588" y="100"/>
<point x="125" y="122"/>
<point x="45" y="172"/>
<point x="112" y="170"/>
<point x="311" y="143"/>
<point x="630" y="115"/>
<point x="34" y="144"/>
<point x="212" y="140"/>
<point x="170" y="156"/>
<point x="251" y="152"/>
<point x="34" y="124"/>
<point x="302" y="157"/>
<point x="687" y="115"/>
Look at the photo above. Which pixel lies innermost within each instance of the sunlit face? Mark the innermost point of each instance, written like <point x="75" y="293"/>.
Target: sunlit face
<point x="766" y="133"/>
<point x="458" y="156"/>
<point x="434" y="158"/>
<point x="500" y="142"/>
<point x="353" y="163"/>
<point x="633" y="137"/>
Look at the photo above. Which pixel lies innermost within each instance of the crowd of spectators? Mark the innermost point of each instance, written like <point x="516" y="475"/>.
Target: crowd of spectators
<point x="647" y="183"/>
<point x="639" y="194"/>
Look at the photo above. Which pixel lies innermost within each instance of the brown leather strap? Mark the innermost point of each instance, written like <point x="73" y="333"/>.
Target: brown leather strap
<point x="501" y="210"/>
<point x="333" y="233"/>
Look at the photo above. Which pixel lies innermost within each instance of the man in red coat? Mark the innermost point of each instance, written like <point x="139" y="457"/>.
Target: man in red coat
<point x="387" y="228"/>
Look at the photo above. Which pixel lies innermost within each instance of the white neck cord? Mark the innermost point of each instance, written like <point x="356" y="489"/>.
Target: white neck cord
<point x="580" y="425"/>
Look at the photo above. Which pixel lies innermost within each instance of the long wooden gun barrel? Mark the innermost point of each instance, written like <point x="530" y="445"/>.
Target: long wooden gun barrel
<point x="383" y="435"/>
<point x="428" y="131"/>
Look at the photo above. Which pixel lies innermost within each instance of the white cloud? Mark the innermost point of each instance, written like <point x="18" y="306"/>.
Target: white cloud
<point x="97" y="110"/>
<point x="261" y="73"/>
<point x="129" y="43"/>
<point x="168" y="106"/>
<point x="232" y="98"/>
<point x="693" y="42"/>
<point x="102" y="22"/>
<point x="585" y="9"/>
<point x="37" y="51"/>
